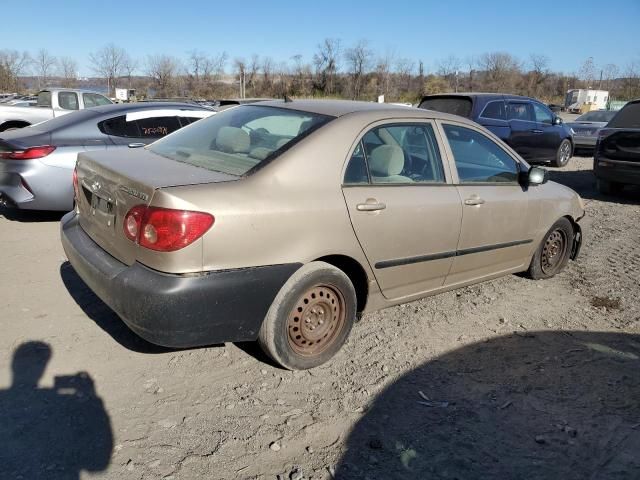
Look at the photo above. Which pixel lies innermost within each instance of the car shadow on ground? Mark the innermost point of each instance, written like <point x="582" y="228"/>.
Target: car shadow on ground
<point x="30" y="216"/>
<point x="52" y="433"/>
<point x="102" y="315"/>
<point x="584" y="183"/>
<point x="539" y="405"/>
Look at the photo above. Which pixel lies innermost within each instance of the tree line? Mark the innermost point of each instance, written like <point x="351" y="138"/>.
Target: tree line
<point x="335" y="70"/>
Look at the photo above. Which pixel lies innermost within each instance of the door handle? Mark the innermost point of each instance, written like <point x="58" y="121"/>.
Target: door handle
<point x="535" y="130"/>
<point x="370" y="207"/>
<point x="475" y="200"/>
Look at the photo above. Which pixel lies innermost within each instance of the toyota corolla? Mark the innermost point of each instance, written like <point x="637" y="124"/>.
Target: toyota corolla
<point x="284" y="222"/>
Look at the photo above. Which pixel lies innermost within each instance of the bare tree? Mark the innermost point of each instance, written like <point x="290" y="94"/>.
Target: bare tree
<point x="358" y="59"/>
<point x="404" y="69"/>
<point x="254" y="67"/>
<point x="588" y="72"/>
<point x="129" y="66"/>
<point x="12" y="64"/>
<point x="69" y="71"/>
<point x="471" y="63"/>
<point x="383" y="73"/>
<point x="241" y="67"/>
<point x="538" y="74"/>
<point x="109" y="63"/>
<point x="163" y="69"/>
<point x="610" y="73"/>
<point x="44" y="63"/>
<point x="326" y="61"/>
<point x="267" y="75"/>
<point x="501" y="71"/>
<point x="449" y="68"/>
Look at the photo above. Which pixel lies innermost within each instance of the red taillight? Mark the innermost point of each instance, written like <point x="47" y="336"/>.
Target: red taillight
<point x="28" y="154"/>
<point x="164" y="229"/>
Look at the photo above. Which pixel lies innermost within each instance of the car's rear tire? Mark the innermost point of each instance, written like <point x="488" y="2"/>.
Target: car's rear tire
<point x="554" y="251"/>
<point x="310" y="318"/>
<point x="563" y="154"/>
<point x="607" y="187"/>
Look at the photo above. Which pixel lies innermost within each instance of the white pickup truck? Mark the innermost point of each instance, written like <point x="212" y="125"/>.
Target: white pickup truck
<point x="52" y="102"/>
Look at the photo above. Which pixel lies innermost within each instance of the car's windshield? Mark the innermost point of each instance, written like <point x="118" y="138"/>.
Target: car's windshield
<point x="238" y="139"/>
<point x="597" y="116"/>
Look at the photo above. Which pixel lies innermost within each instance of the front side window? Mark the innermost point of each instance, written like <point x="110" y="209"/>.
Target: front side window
<point x="239" y="139"/>
<point x="520" y="111"/>
<point x="68" y="100"/>
<point x="400" y="153"/>
<point x="542" y="114"/>
<point x="494" y="110"/>
<point x="478" y="158"/>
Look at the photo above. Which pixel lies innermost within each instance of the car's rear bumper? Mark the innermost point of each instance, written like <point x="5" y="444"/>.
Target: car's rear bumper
<point x="176" y="310"/>
<point x="32" y="185"/>
<point x="617" y="171"/>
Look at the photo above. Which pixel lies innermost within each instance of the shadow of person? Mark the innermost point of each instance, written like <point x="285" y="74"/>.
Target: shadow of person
<point x="51" y="433"/>
<point x="545" y="405"/>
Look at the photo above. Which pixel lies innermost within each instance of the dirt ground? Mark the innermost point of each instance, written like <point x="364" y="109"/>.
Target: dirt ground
<point x="509" y="379"/>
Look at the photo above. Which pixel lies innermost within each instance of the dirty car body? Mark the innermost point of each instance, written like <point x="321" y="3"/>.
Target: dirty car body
<point x="201" y="237"/>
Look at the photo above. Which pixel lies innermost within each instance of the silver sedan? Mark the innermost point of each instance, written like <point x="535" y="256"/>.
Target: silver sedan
<point x="37" y="162"/>
<point x="585" y="128"/>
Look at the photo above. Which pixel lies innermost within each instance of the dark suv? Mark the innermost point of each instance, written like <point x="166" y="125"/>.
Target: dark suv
<point x="525" y="124"/>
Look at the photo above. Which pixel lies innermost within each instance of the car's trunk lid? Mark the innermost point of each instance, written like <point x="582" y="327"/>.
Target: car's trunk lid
<point x="111" y="183"/>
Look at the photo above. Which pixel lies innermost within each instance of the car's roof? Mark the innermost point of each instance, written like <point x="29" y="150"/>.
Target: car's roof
<point x="127" y="107"/>
<point x="373" y="110"/>
<point x="478" y="94"/>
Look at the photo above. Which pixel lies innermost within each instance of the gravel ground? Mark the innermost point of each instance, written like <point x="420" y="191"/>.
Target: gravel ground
<point x="508" y="379"/>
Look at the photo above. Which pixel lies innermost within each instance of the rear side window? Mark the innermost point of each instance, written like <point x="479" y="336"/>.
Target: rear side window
<point x="119" y="127"/>
<point x="157" y="127"/>
<point x="44" y="99"/>
<point x="478" y="158"/>
<point x="520" y="111"/>
<point x="494" y="110"/>
<point x="628" y="117"/>
<point x="68" y="100"/>
<point x="454" y="105"/>
<point x="401" y="153"/>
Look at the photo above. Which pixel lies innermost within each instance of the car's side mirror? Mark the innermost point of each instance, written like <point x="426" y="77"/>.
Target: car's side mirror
<point x="557" y="121"/>
<point x="537" y="176"/>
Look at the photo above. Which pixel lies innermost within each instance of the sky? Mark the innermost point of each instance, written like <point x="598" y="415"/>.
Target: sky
<point x="567" y="32"/>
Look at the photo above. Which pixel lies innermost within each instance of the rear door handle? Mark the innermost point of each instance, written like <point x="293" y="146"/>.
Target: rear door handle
<point x="370" y="206"/>
<point x="475" y="200"/>
<point x="535" y="130"/>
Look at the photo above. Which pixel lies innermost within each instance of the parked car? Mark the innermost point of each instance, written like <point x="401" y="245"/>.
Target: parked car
<point x="37" y="162"/>
<point x="616" y="161"/>
<point x="282" y="222"/>
<point x="51" y="103"/>
<point x="525" y="124"/>
<point x="586" y="127"/>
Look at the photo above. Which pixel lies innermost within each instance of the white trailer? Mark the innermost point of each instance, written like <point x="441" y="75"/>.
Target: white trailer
<point x="580" y="99"/>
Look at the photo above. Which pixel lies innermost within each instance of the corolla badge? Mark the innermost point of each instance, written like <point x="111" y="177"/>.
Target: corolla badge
<point x="134" y="193"/>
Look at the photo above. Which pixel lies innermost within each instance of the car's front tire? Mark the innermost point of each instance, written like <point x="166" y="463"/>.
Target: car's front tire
<point x="554" y="251"/>
<point x="563" y="154"/>
<point x="310" y="318"/>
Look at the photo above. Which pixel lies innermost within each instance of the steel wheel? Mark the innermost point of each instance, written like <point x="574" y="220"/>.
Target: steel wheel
<point x="316" y="320"/>
<point x="553" y="251"/>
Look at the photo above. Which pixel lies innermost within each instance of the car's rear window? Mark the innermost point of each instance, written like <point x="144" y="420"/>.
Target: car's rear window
<point x="454" y="105"/>
<point x="628" y="117"/>
<point x="239" y="139"/>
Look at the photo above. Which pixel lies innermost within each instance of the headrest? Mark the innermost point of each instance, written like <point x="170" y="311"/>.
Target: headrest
<point x="233" y="140"/>
<point x="386" y="160"/>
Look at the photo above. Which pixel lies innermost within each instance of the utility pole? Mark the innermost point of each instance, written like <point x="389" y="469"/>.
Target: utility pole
<point x="600" y="82"/>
